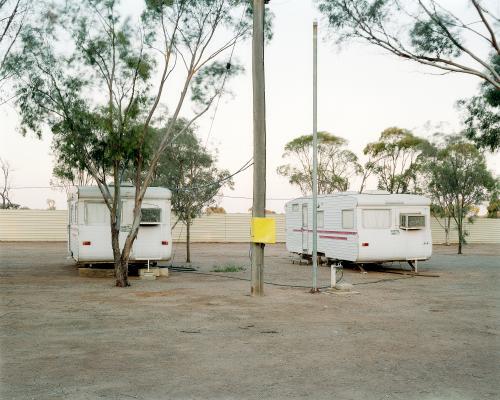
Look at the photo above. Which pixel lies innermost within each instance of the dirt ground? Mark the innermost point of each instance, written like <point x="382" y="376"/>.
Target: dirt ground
<point x="194" y="336"/>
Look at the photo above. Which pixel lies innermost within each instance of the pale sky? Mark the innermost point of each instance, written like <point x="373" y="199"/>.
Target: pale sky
<point x="362" y="91"/>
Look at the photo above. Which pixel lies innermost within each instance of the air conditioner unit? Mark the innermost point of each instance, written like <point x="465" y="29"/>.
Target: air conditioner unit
<point x="411" y="221"/>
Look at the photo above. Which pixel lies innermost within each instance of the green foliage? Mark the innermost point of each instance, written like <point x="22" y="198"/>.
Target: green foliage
<point x="458" y="180"/>
<point x="422" y="31"/>
<point x="90" y="74"/>
<point x="190" y="171"/>
<point x="482" y="114"/>
<point x="13" y="16"/>
<point x="429" y="36"/>
<point x="396" y="159"/>
<point x="336" y="164"/>
<point x="228" y="268"/>
<point x="494" y="205"/>
<point x="60" y="90"/>
<point x="206" y="83"/>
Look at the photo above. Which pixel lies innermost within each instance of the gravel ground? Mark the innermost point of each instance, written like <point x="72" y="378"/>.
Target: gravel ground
<point x="193" y="336"/>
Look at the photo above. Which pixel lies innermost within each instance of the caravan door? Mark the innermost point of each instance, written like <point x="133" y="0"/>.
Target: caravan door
<point x="305" y="229"/>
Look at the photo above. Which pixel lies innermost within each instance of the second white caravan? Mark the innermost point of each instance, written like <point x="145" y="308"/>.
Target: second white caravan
<point x="362" y="228"/>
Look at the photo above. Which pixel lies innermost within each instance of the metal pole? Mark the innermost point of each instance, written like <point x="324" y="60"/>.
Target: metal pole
<point x="259" y="142"/>
<point x="315" y="160"/>
<point x="333" y="275"/>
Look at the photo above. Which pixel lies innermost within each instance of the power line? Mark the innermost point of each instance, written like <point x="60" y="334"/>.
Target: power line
<point x="250" y="198"/>
<point x="217" y="195"/>
<point x="245" y="166"/>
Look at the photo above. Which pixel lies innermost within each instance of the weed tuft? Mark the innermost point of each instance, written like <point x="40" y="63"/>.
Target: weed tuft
<point x="228" y="268"/>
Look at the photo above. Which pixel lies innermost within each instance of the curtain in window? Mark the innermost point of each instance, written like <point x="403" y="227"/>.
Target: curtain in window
<point x="377" y="219"/>
<point x="97" y="213"/>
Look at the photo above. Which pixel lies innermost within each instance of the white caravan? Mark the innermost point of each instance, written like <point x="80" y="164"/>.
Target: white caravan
<point x="89" y="232"/>
<point x="372" y="227"/>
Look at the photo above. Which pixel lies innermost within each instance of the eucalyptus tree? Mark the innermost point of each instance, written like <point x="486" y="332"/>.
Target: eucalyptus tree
<point x="482" y="114"/>
<point x="494" y="203"/>
<point x="190" y="171"/>
<point x="396" y="159"/>
<point x="423" y="31"/>
<point x="101" y="81"/>
<point x="457" y="180"/>
<point x="12" y="18"/>
<point x="337" y="165"/>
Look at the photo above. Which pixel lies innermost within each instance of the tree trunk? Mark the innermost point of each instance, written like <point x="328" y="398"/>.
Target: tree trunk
<point x="447" y="230"/>
<point x="460" y="236"/>
<point x="121" y="264"/>
<point x="188" y="240"/>
<point x="121" y="273"/>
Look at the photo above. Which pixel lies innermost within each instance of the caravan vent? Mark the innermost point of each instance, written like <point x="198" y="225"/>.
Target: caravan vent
<point x="151" y="216"/>
<point x="411" y="221"/>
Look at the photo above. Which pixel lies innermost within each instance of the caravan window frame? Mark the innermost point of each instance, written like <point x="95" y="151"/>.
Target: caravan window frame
<point x="86" y="214"/>
<point x="343" y="214"/>
<point x="74" y="214"/>
<point x="86" y="203"/>
<point x="388" y="221"/>
<point x="405" y="225"/>
<point x="150" y="206"/>
<point x="320" y="221"/>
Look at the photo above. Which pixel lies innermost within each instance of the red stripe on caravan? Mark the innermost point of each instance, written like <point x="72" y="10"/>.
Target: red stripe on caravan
<point x="333" y="237"/>
<point x="326" y="231"/>
<point x="339" y="232"/>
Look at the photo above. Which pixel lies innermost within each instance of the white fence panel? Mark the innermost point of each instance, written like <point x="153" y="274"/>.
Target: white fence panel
<point x="33" y="225"/>
<point x="43" y="225"/>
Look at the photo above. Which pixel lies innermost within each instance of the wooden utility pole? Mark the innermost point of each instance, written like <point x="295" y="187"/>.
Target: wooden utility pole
<point x="259" y="142"/>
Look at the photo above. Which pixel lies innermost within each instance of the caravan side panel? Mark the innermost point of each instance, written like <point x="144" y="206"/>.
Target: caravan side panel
<point x="383" y="239"/>
<point x="338" y="238"/>
<point x="334" y="239"/>
<point x="73" y="228"/>
<point x="293" y="224"/>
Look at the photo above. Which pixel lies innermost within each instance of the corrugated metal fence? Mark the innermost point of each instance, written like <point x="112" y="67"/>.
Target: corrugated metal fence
<point x="33" y="225"/>
<point x="225" y="228"/>
<point x="40" y="225"/>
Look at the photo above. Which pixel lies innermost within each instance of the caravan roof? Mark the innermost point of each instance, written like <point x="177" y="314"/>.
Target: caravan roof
<point x="93" y="192"/>
<point x="377" y="198"/>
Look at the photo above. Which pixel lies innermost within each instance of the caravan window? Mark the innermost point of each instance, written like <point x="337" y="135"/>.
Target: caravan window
<point x="408" y="221"/>
<point x="321" y="219"/>
<point x="347" y="219"/>
<point x="150" y="215"/>
<point x="96" y="213"/>
<point x="295" y="208"/>
<point x="376" y="219"/>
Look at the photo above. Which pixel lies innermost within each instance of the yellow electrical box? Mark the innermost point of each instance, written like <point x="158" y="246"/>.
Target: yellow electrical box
<point x="263" y="230"/>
